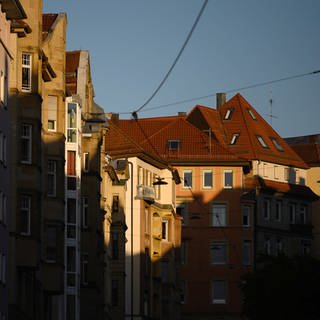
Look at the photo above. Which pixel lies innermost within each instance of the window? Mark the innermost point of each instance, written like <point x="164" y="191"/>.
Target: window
<point x="279" y="246"/>
<point x="252" y="115"/>
<point x="303" y="214"/>
<point x="287" y="174"/>
<point x="115" y="203"/>
<point x="114" y="246"/>
<point x="85" y="208"/>
<point x="234" y="138"/>
<point x="184" y="252"/>
<point x="187" y="178"/>
<point x="228" y="179"/>
<point x="174" y="144"/>
<point x="71" y="218"/>
<point x="164" y="228"/>
<point x="52" y="113"/>
<point x="71" y="307"/>
<point x="262" y="142"/>
<point x="219" y="292"/>
<point x="85" y="269"/>
<point x="219" y="212"/>
<point x="26" y="143"/>
<point x="266" y="209"/>
<point x="276" y="144"/>
<point x="52" y="168"/>
<point x="71" y="266"/>
<point x="207" y="179"/>
<point x="228" y="114"/>
<point x="305" y="246"/>
<point x="71" y="170"/>
<point x="183" y="291"/>
<point x="218" y="252"/>
<point x="25" y="211"/>
<point x="86" y="162"/>
<point x="246" y="214"/>
<point x="3" y="87"/>
<point x="114" y="292"/>
<point x="278" y="211"/>
<point x="3" y="267"/>
<point x="267" y="246"/>
<point x="1" y="146"/>
<point x="292" y="213"/>
<point x="246" y="252"/>
<point x="164" y="271"/>
<point x="51" y="244"/>
<point x="26" y="72"/>
<point x="72" y="123"/>
<point x="181" y="209"/>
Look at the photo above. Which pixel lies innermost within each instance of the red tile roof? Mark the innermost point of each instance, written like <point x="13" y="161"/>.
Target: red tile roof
<point x="246" y="122"/>
<point x="48" y="20"/>
<point x="72" y="65"/>
<point x="307" y="147"/>
<point x="279" y="187"/>
<point x="153" y="135"/>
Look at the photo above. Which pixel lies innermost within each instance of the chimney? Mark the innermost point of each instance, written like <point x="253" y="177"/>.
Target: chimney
<point x="221" y="99"/>
<point x="115" y="118"/>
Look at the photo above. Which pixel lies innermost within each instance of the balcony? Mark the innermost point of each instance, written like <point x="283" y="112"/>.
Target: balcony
<point x="145" y="192"/>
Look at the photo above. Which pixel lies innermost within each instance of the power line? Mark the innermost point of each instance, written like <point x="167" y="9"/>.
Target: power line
<point x="260" y="84"/>
<point x="134" y="113"/>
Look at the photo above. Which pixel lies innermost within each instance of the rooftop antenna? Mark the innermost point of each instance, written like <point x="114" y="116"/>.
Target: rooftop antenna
<point x="270" y="115"/>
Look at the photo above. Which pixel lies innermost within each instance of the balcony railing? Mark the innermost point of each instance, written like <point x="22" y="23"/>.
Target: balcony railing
<point x="145" y="192"/>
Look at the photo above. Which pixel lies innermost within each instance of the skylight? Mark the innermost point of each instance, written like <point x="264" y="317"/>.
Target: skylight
<point x="253" y="116"/>
<point x="262" y="142"/>
<point x="174" y="144"/>
<point x="277" y="144"/>
<point x="234" y="138"/>
<point x="228" y="114"/>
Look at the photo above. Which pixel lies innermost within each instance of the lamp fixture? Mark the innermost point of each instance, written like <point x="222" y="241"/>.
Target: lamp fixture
<point x="159" y="181"/>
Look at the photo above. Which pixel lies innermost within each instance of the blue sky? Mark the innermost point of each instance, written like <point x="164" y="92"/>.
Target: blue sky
<point x="132" y="44"/>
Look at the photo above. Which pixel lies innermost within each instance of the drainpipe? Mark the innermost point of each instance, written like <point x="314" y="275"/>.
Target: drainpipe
<point x="131" y="226"/>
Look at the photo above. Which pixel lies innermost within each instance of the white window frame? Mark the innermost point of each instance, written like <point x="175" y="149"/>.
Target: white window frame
<point x="266" y="209"/>
<point x="278" y="216"/>
<point x="25" y="208"/>
<point x="219" y="245"/>
<point x="262" y="142"/>
<point x="219" y="218"/>
<point x="219" y="300"/>
<point x="86" y="162"/>
<point x="204" y="172"/>
<point x="267" y="246"/>
<point x="253" y="116"/>
<point x="234" y="138"/>
<point x="3" y="88"/>
<point x="292" y="212"/>
<point x="184" y="213"/>
<point x="226" y="172"/>
<point x="85" y="268"/>
<point x="246" y="212"/>
<point x="26" y="134"/>
<point x="84" y="212"/>
<point x="228" y="114"/>
<point x="279" y="246"/>
<point x="185" y="184"/>
<point x="174" y="144"/>
<point x="246" y="252"/>
<point x="52" y="112"/>
<point x="303" y="212"/>
<point x="165" y="229"/>
<point x="26" y="63"/>
<point x="52" y="172"/>
<point x="277" y="144"/>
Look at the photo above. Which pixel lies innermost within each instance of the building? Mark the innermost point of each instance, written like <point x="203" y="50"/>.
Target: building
<point x="146" y="213"/>
<point x="84" y="249"/>
<point x="308" y="148"/>
<point x="9" y="13"/>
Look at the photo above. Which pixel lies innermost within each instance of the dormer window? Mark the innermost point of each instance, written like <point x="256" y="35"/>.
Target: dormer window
<point x="234" y="138"/>
<point x="174" y="144"/>
<point x="277" y="144"/>
<point x="228" y="114"/>
<point x="253" y="116"/>
<point x="262" y="142"/>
